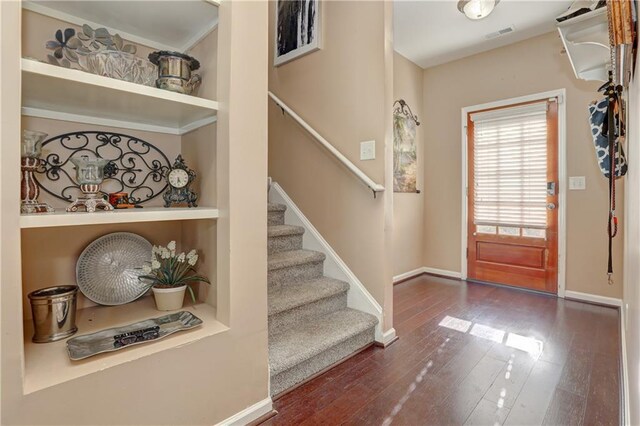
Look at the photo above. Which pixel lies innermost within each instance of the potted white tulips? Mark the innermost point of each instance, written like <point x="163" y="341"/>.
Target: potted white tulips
<point x="169" y="275"/>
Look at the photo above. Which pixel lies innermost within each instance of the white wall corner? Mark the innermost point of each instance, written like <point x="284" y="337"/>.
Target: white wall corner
<point x="593" y="298"/>
<point x="409" y="274"/>
<point x="358" y="296"/>
<point x="249" y="414"/>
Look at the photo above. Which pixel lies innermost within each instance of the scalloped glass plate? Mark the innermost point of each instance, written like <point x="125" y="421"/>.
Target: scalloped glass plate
<point x="108" y="269"/>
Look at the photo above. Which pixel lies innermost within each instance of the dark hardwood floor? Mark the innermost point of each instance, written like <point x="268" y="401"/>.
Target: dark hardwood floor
<point x="477" y="355"/>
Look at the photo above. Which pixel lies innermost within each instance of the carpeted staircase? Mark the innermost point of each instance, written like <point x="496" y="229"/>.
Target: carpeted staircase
<point x="310" y="325"/>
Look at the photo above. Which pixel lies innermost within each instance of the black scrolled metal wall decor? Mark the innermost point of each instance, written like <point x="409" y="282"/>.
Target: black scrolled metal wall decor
<point x="400" y="107"/>
<point x="135" y="166"/>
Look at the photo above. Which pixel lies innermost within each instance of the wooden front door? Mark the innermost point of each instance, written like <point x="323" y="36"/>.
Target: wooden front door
<point x="513" y="195"/>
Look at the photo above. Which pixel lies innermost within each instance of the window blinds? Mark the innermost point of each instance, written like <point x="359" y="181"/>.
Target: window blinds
<point x="510" y="166"/>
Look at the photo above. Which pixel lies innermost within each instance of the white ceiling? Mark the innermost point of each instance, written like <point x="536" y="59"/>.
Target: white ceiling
<point x="432" y="32"/>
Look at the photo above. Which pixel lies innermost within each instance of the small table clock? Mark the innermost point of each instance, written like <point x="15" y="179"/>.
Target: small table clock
<point x="179" y="178"/>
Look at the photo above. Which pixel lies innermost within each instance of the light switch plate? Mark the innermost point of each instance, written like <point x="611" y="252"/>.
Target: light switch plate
<point x="368" y="150"/>
<point x="577" y="183"/>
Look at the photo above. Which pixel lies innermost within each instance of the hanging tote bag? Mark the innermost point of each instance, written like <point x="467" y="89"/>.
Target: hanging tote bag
<point x="598" y="117"/>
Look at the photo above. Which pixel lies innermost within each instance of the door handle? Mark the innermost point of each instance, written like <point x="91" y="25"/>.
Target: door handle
<point x="551" y="206"/>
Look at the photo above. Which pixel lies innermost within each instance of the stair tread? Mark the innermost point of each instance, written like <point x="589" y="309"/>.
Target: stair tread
<point x="286" y="259"/>
<point x="294" y="296"/>
<point x="284" y="230"/>
<point x="275" y="207"/>
<point x="310" y="338"/>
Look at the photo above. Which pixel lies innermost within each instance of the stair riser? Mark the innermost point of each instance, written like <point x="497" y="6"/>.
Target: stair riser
<point x="275" y="218"/>
<point x="284" y="243"/>
<point x="287" y="319"/>
<point x="300" y="372"/>
<point x="298" y="273"/>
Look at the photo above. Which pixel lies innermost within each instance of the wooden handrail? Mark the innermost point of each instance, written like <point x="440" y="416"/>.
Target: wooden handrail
<point x="375" y="187"/>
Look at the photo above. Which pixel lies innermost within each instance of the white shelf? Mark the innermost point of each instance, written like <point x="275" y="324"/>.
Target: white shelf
<point x="586" y="40"/>
<point x="50" y="91"/>
<point x="48" y="364"/>
<point x="163" y="25"/>
<point x="145" y="214"/>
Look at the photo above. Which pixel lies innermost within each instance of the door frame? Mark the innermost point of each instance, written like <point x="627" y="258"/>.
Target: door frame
<point x="560" y="94"/>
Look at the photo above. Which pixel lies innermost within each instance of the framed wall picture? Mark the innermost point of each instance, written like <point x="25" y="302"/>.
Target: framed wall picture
<point x="298" y="29"/>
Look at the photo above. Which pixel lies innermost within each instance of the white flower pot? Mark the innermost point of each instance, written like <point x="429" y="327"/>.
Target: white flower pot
<point x="169" y="299"/>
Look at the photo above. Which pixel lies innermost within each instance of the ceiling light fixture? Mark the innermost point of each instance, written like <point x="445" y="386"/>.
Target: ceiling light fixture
<point x="477" y="9"/>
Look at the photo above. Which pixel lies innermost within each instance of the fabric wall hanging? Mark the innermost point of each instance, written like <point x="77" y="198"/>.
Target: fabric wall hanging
<point x="405" y="159"/>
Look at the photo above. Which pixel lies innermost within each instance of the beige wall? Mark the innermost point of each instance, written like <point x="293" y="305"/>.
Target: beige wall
<point x="631" y="301"/>
<point x="217" y="376"/>
<point x="408" y="208"/>
<point x="532" y="66"/>
<point x="344" y="92"/>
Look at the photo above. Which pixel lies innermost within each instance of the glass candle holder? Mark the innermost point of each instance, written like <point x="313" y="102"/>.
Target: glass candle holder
<point x="89" y="171"/>
<point x="31" y="146"/>
<point x="89" y="176"/>
<point x="30" y="150"/>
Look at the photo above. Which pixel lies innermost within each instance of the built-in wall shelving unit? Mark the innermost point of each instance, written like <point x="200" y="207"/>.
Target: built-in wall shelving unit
<point x="73" y="96"/>
<point x="586" y="41"/>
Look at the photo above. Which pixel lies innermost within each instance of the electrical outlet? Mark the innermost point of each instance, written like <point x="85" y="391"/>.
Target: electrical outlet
<point x="368" y="150"/>
<point x="577" y="183"/>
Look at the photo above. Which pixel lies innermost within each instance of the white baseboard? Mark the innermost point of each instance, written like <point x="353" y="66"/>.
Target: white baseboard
<point x="427" y="270"/>
<point x="625" y="368"/>
<point x="409" y="274"/>
<point x="358" y="296"/>
<point x="388" y="337"/>
<point x="249" y="414"/>
<point x="593" y="298"/>
<point x="443" y="272"/>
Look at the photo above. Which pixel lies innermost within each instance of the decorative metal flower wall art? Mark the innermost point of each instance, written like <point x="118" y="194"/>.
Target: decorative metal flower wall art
<point x="69" y="45"/>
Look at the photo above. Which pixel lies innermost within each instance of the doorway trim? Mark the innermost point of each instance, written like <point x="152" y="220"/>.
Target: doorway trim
<point x="560" y="94"/>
